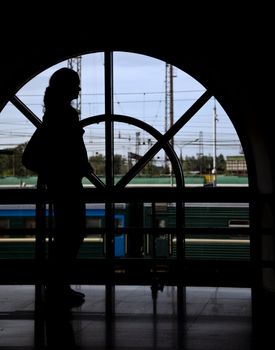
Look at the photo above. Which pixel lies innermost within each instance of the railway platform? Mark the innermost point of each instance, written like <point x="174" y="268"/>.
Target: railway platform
<point x="215" y="318"/>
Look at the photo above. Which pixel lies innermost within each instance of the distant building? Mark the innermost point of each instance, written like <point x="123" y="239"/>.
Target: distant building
<point x="236" y="165"/>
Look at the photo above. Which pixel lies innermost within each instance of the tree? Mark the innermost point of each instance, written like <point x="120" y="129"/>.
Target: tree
<point x="221" y="164"/>
<point x="98" y="163"/>
<point x="120" y="164"/>
<point x="10" y="162"/>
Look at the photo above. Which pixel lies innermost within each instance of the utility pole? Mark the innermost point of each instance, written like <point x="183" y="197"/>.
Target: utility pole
<point x="166" y="111"/>
<point x="169" y="102"/>
<point x="137" y="142"/>
<point x="200" y="154"/>
<point x="214" y="170"/>
<point x="75" y="64"/>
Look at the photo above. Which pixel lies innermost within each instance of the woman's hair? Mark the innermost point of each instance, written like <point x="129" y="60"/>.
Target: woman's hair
<point x="60" y="85"/>
<point x="63" y="77"/>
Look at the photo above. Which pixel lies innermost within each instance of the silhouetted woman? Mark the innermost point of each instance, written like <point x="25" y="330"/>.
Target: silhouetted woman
<point x="66" y="163"/>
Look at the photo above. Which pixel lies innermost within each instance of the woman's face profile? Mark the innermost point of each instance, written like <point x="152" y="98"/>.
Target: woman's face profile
<point x="66" y="83"/>
<point x="75" y="89"/>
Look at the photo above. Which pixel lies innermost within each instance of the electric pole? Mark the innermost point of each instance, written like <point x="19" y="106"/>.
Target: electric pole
<point x="75" y="64"/>
<point x="169" y="102"/>
<point x="200" y="154"/>
<point x="214" y="170"/>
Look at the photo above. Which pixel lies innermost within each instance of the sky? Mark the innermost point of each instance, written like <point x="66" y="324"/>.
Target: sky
<point x="139" y="92"/>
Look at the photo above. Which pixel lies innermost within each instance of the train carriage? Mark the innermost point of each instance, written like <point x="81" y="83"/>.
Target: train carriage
<point x="18" y="229"/>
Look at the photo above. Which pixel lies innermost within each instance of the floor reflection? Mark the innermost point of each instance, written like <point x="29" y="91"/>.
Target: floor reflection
<point x="216" y="318"/>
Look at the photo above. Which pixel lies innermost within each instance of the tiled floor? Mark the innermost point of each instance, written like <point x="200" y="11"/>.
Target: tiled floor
<point x="216" y="318"/>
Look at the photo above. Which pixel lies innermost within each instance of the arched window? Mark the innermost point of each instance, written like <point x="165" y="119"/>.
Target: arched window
<point x="154" y="130"/>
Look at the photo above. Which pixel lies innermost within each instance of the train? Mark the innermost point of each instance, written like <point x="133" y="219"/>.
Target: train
<point x="18" y="230"/>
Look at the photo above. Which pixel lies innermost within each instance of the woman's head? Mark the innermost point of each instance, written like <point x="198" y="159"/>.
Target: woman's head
<point x="64" y="86"/>
<point x="63" y="78"/>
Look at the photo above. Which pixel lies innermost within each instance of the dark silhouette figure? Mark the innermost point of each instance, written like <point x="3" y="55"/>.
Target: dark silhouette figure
<point x="65" y="163"/>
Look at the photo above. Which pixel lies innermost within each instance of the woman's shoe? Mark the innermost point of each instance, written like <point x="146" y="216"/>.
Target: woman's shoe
<point x="73" y="300"/>
<point x="66" y="297"/>
<point x="73" y="292"/>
